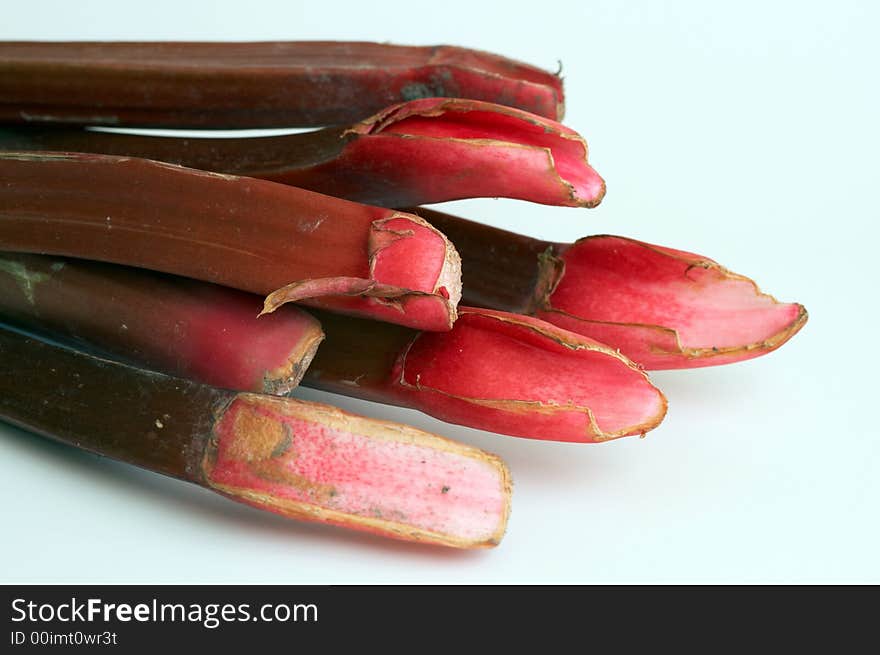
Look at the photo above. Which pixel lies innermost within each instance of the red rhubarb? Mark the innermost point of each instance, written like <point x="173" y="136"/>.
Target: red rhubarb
<point x="200" y="331"/>
<point x="268" y="84"/>
<point x="302" y="460"/>
<point x="666" y="308"/>
<point x="495" y="371"/>
<point x="243" y="233"/>
<point x="662" y="308"/>
<point x="424" y="151"/>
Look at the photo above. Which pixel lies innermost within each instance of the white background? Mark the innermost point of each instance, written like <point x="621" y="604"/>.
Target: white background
<point x="747" y="132"/>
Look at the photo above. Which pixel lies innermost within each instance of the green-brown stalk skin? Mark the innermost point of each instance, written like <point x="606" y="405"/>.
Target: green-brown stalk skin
<point x="239" y="85"/>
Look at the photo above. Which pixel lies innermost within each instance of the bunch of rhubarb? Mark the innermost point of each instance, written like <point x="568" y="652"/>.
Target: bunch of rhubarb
<point x="175" y="271"/>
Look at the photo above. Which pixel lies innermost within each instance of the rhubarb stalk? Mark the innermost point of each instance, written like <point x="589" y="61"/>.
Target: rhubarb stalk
<point x="662" y="308"/>
<point x="191" y="329"/>
<point x="253" y="235"/>
<point x="494" y="371"/>
<point x="420" y="152"/>
<point x="268" y="84"/>
<point x="306" y="461"/>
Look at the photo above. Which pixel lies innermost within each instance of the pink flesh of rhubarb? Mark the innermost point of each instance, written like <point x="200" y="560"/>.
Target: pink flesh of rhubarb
<point x="393" y="263"/>
<point x="665" y="308"/>
<point x="435" y="150"/>
<point x="318" y="463"/>
<point x="521" y="376"/>
<point x="567" y="148"/>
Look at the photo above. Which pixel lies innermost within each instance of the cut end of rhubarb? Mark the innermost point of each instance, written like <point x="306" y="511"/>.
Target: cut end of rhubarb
<point x="283" y="379"/>
<point x="220" y="341"/>
<point x="407" y="251"/>
<point x="317" y="463"/>
<point x="415" y="279"/>
<point x="665" y="308"/>
<point x="520" y="376"/>
<point x="447" y="149"/>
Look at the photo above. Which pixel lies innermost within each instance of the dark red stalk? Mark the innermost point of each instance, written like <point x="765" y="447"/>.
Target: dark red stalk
<point x="200" y="331"/>
<point x="424" y="151"/>
<point x="306" y="461"/>
<point x="494" y="371"/>
<point x="243" y="233"/>
<point x="267" y="84"/>
<point x="662" y="308"/>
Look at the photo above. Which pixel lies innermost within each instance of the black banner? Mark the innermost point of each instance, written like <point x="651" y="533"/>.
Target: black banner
<point x="255" y="618"/>
<point x="258" y="619"/>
